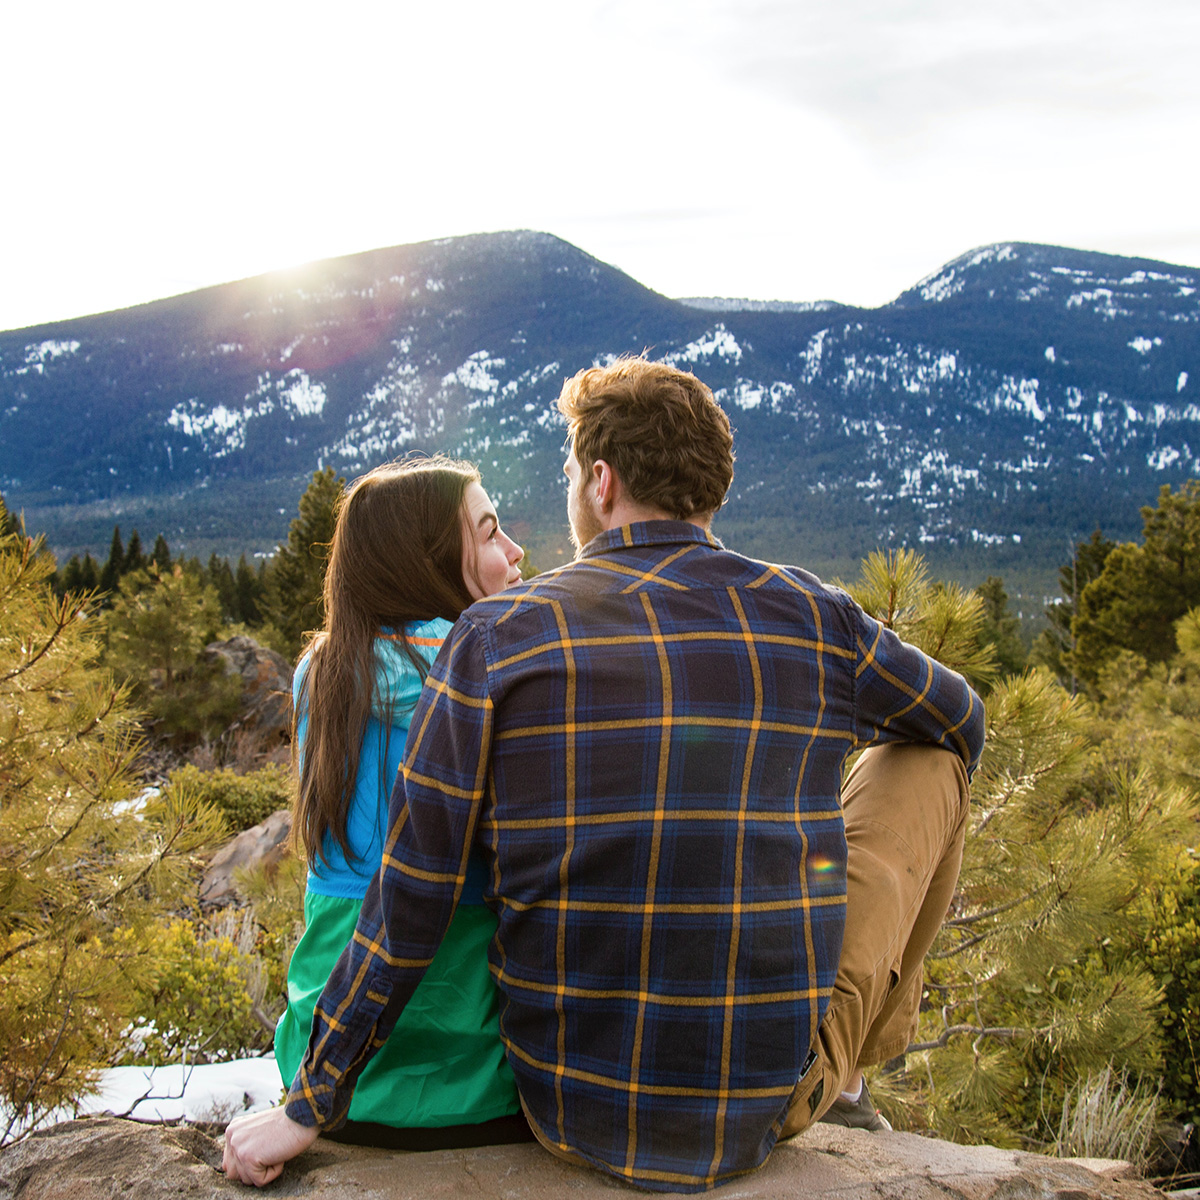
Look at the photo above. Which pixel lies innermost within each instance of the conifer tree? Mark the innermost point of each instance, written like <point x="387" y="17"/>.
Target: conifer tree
<point x="1053" y="646"/>
<point x="1143" y="589"/>
<point x="110" y="573"/>
<point x="945" y="621"/>
<point x="1000" y="629"/>
<point x="160" y="556"/>
<point x="248" y="593"/>
<point x="157" y="632"/>
<point x="297" y="572"/>
<point x="1033" y="984"/>
<point x="135" y="559"/>
<point x="219" y="577"/>
<point x="77" y="860"/>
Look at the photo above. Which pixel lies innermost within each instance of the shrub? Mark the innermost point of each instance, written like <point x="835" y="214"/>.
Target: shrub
<point x="204" y="1003"/>
<point x="245" y="800"/>
<point x="1172" y="953"/>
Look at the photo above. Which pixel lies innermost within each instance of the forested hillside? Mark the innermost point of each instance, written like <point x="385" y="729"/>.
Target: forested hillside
<point x="990" y="417"/>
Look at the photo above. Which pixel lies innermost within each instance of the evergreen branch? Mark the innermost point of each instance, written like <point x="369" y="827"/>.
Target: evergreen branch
<point x="87" y="729"/>
<point x="21" y="1107"/>
<point x="21" y="947"/>
<point x="967" y="921"/>
<point x="1006" y="1033"/>
<point x="62" y="618"/>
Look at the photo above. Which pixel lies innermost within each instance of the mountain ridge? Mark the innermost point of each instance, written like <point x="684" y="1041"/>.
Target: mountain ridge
<point x="1005" y="404"/>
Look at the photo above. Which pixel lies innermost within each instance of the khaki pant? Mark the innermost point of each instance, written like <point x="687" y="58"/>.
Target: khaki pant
<point x="905" y="808"/>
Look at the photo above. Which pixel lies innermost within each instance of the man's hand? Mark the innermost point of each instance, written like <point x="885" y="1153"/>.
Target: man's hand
<point x="258" y="1144"/>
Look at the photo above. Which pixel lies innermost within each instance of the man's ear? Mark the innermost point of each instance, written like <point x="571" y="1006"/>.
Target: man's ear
<point x="606" y="483"/>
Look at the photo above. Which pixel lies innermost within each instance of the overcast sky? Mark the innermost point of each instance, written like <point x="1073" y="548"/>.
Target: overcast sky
<point x="775" y="149"/>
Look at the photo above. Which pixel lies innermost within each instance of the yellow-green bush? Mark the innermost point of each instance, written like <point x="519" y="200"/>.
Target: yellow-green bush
<point x="1172" y="953"/>
<point x="205" y="1001"/>
<point x="245" y="800"/>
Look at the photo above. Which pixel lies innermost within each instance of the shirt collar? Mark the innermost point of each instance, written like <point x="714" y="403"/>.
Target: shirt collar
<point x="648" y="533"/>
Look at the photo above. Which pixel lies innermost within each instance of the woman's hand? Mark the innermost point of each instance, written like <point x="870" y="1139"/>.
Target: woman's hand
<point x="258" y="1144"/>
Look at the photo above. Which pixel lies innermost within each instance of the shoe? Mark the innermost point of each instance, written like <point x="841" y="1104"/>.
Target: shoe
<point x="857" y="1114"/>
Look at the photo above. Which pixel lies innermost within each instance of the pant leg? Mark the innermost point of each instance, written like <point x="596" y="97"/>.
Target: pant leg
<point x="905" y="807"/>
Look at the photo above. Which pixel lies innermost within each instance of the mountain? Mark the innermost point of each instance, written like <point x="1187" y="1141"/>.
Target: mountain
<point x="1005" y="405"/>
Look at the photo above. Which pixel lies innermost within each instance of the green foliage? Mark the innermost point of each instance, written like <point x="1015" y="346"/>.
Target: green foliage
<point x="946" y="621"/>
<point x="1053" y="646"/>
<point x="1033" y="984"/>
<point x="1142" y="590"/>
<point x="156" y="637"/>
<point x="297" y="573"/>
<point x="243" y="800"/>
<point x="1171" y="951"/>
<point x="77" y="860"/>
<point x="1000" y="629"/>
<point x="199" y="994"/>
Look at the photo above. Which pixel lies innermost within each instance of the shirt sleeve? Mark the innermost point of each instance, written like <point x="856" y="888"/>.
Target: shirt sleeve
<point x="903" y="695"/>
<point x="431" y="824"/>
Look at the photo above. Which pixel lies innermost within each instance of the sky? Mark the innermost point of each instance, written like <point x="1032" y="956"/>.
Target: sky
<point x="770" y="149"/>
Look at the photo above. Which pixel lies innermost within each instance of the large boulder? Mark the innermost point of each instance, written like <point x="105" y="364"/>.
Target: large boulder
<point x="109" y="1159"/>
<point x="266" y="678"/>
<point x="264" y="844"/>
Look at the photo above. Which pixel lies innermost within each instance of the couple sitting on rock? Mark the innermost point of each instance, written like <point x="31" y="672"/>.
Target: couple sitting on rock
<point x="620" y="887"/>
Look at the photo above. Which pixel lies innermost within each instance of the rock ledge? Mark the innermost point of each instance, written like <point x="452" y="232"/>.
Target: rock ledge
<point x="109" y="1159"/>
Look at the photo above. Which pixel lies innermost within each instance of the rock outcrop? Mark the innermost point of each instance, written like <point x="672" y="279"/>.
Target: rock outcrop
<point x="263" y="844"/>
<point x="266" y="709"/>
<point x="107" y="1159"/>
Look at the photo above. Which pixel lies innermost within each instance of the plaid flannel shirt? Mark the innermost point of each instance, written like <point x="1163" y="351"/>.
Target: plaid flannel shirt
<point x="647" y="745"/>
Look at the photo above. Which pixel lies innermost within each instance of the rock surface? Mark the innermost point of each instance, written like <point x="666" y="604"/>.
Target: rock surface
<point x="265" y="843"/>
<point x="107" y="1159"/>
<point x="266" y="677"/>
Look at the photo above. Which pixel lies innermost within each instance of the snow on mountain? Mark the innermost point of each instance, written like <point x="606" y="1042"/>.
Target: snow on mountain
<point x="1017" y="397"/>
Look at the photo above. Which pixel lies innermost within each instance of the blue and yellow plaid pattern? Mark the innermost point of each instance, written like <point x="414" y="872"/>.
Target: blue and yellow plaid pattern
<point x="648" y="745"/>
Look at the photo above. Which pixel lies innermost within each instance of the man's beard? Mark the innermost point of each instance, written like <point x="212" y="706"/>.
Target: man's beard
<point x="585" y="525"/>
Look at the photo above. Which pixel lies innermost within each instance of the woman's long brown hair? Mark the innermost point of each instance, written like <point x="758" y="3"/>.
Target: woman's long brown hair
<point x="396" y="557"/>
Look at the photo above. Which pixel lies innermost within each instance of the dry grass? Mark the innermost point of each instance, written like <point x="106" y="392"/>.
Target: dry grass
<point x="1105" y="1116"/>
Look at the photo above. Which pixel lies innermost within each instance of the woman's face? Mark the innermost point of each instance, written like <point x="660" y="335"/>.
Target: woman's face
<point x="490" y="556"/>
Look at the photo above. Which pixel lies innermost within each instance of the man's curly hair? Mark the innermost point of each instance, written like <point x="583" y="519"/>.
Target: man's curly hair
<point x="659" y="429"/>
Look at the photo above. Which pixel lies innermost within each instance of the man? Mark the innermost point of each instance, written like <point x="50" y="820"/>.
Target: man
<point x="648" y="746"/>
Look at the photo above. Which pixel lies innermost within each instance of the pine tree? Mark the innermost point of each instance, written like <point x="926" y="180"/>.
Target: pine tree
<point x="1000" y="629"/>
<point x="1053" y="646"/>
<point x="110" y="573"/>
<point x="161" y="554"/>
<point x="135" y="559"/>
<point x="1033" y="984"/>
<point x="248" y="593"/>
<point x="945" y="621"/>
<point x="220" y="578"/>
<point x="1142" y="590"/>
<point x="297" y="572"/>
<point x="157" y="632"/>
<point x="78" y="861"/>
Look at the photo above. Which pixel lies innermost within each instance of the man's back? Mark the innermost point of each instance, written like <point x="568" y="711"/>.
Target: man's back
<point x="666" y="724"/>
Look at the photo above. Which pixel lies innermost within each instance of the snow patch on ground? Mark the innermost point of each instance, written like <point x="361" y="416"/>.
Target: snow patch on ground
<point x="718" y="341"/>
<point x="48" y="351"/>
<point x="476" y="373"/>
<point x="215" y="1092"/>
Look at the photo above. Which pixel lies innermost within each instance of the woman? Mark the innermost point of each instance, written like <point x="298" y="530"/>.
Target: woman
<point x="414" y="543"/>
